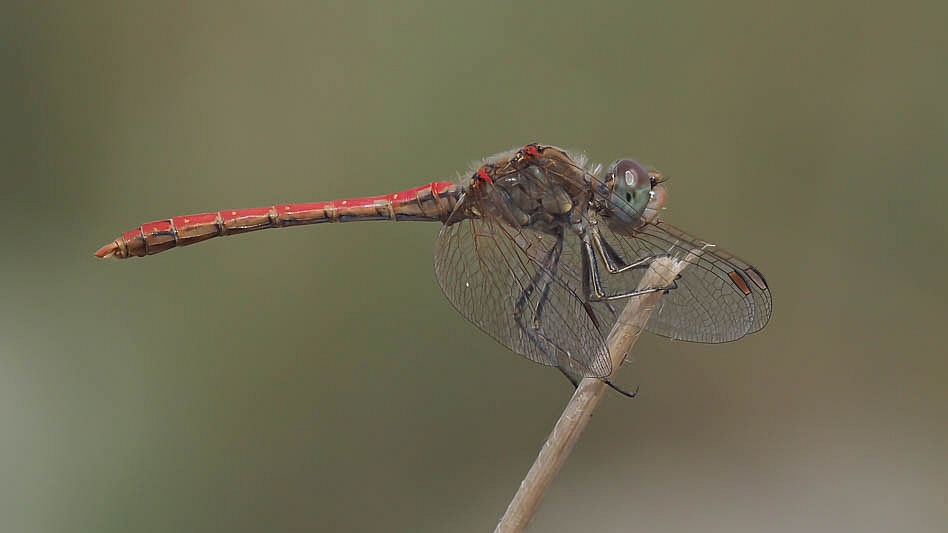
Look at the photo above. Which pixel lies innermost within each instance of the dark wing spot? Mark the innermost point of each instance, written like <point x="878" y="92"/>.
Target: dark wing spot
<point x="756" y="277"/>
<point x="739" y="281"/>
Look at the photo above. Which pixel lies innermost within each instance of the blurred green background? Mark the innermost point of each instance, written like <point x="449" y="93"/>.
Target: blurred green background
<point x="316" y="379"/>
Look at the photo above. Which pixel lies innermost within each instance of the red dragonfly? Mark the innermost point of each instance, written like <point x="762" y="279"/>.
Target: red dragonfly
<point x="537" y="249"/>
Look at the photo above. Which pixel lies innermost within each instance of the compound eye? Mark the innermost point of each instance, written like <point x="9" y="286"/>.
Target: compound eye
<point x="630" y="182"/>
<point x="631" y="175"/>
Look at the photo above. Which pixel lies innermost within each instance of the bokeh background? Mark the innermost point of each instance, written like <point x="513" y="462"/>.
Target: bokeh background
<point x="315" y="379"/>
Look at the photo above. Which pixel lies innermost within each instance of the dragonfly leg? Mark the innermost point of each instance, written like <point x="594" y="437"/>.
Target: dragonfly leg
<point x="613" y="261"/>
<point x="544" y="276"/>
<point x="572" y="379"/>
<point x="592" y="282"/>
<point x="575" y="381"/>
<point x="543" y="281"/>
<point x="623" y="392"/>
<point x="550" y="269"/>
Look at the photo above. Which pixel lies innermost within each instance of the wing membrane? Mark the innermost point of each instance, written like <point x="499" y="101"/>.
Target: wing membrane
<point x="526" y="288"/>
<point x="511" y="284"/>
<point x="720" y="297"/>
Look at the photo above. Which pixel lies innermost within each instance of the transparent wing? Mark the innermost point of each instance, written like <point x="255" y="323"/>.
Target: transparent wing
<point x="521" y="278"/>
<point x="524" y="288"/>
<point x="719" y="298"/>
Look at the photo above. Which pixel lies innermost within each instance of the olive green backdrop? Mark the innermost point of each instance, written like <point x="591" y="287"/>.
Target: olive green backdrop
<point x="316" y="379"/>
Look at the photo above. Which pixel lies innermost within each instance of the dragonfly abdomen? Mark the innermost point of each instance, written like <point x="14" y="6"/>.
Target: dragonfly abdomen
<point x="432" y="202"/>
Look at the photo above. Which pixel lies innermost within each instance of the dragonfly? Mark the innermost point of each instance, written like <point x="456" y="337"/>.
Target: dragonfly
<point x="538" y="248"/>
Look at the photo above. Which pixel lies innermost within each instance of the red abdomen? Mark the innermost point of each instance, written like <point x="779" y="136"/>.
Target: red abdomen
<point x="432" y="202"/>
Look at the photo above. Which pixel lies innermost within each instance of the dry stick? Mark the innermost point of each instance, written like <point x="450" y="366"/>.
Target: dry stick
<point x="579" y="410"/>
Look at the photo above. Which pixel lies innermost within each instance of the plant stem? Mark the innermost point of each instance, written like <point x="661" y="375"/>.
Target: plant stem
<point x="579" y="410"/>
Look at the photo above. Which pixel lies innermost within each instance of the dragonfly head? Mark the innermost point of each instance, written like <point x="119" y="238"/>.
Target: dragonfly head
<point x="636" y="195"/>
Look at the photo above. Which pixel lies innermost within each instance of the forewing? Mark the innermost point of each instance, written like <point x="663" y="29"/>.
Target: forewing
<point x="719" y="297"/>
<point x="511" y="284"/>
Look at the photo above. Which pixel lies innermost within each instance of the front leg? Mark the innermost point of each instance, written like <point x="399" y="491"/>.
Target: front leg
<point x="592" y="282"/>
<point x="613" y="261"/>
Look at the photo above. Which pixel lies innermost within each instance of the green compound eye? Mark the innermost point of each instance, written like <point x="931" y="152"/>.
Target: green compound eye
<point x="632" y="187"/>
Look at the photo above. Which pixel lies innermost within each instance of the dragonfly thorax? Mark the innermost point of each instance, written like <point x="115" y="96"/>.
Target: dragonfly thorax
<point x="529" y="198"/>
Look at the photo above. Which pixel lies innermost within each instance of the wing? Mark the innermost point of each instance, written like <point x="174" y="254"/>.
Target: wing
<point x="719" y="298"/>
<point x="524" y="288"/>
<point x="515" y="268"/>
